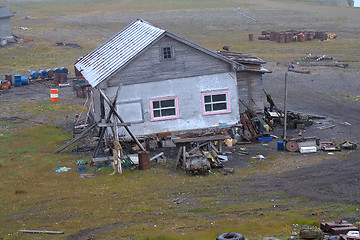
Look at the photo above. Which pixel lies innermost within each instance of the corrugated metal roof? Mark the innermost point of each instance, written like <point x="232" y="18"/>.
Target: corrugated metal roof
<point x="5" y="12"/>
<point x="117" y="51"/>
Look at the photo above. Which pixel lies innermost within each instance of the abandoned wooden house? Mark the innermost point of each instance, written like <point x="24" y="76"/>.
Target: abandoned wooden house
<point x="5" y="25"/>
<point x="168" y="83"/>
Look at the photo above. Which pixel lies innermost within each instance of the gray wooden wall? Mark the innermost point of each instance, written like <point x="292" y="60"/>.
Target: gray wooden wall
<point x="187" y="62"/>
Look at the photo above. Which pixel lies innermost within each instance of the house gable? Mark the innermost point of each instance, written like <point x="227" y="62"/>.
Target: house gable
<point x="186" y="61"/>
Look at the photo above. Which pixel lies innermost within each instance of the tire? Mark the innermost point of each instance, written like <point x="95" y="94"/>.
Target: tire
<point x="230" y="236"/>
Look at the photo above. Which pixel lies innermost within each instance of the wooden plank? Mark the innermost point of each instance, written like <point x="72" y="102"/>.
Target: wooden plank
<point x="184" y="156"/>
<point x="178" y="158"/>
<point x="112" y="125"/>
<point x="102" y="159"/>
<point x="77" y="138"/>
<point x="201" y="139"/>
<point x="156" y="156"/>
<point x="37" y="231"/>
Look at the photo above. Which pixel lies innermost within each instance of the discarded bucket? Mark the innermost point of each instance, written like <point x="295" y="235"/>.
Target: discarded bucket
<point x="54" y="95"/>
<point x="229" y="142"/>
<point x="24" y="80"/>
<point x="17" y="81"/>
<point x="280" y="145"/>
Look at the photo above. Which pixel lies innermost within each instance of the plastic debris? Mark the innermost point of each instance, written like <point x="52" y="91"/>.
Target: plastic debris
<point x="62" y="169"/>
<point x="81" y="162"/>
<point x="87" y="175"/>
<point x="81" y="169"/>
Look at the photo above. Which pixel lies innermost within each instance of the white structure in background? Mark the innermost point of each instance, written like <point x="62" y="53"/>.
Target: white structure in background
<point x="5" y="25"/>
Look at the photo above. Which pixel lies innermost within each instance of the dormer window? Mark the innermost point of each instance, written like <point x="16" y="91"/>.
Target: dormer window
<point x="167" y="53"/>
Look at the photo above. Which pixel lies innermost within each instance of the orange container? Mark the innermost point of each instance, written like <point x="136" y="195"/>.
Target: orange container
<point x="54" y="95"/>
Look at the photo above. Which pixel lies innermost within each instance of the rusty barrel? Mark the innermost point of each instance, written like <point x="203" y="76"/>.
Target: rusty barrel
<point x="282" y="38"/>
<point x="9" y="78"/>
<point x="57" y="77"/>
<point x="50" y="73"/>
<point x="272" y="36"/>
<point x="144" y="160"/>
<point x="302" y="37"/>
<point x="251" y="37"/>
<point x="288" y="37"/>
<point x="277" y="37"/>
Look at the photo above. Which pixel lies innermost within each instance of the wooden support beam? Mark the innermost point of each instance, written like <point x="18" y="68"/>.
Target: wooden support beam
<point x="37" y="231"/>
<point x="77" y="138"/>
<point x="121" y="120"/>
<point x="104" y="125"/>
<point x="103" y="130"/>
<point x="177" y="160"/>
<point x="102" y="159"/>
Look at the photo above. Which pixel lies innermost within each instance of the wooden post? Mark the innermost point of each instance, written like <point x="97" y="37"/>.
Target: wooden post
<point x="285" y="107"/>
<point x="184" y="157"/>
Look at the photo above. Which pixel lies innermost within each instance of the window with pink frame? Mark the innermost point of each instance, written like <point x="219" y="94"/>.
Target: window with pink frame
<point x="164" y="108"/>
<point x="216" y="102"/>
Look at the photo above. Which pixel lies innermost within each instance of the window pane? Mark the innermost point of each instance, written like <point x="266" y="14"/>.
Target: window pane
<point x="208" y="108"/>
<point x="219" y="106"/>
<point x="219" y="97"/>
<point x="157" y="113"/>
<point x="168" y="112"/>
<point x="168" y="103"/>
<point x="166" y="52"/>
<point x="207" y="99"/>
<point x="156" y="104"/>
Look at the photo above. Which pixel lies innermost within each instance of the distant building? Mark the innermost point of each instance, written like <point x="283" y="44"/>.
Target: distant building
<point x="5" y="25"/>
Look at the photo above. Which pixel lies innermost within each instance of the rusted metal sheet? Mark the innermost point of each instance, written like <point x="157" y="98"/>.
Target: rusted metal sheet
<point x="336" y="228"/>
<point x="117" y="51"/>
<point x="342" y="230"/>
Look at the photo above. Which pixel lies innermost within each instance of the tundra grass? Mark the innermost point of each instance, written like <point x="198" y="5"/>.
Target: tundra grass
<point x="154" y="204"/>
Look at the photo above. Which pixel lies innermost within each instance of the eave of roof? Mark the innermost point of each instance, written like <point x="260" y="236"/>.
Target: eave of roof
<point x="241" y="57"/>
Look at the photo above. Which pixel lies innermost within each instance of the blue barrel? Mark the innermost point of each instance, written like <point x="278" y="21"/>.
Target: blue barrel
<point x="42" y="73"/>
<point x="57" y="70"/>
<point x="17" y="81"/>
<point x="280" y="145"/>
<point x="34" y="74"/>
<point x="24" y="81"/>
<point x="64" y="70"/>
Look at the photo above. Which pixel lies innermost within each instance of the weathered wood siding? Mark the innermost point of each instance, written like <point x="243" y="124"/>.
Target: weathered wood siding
<point x="150" y="67"/>
<point x="5" y="28"/>
<point x="250" y="90"/>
